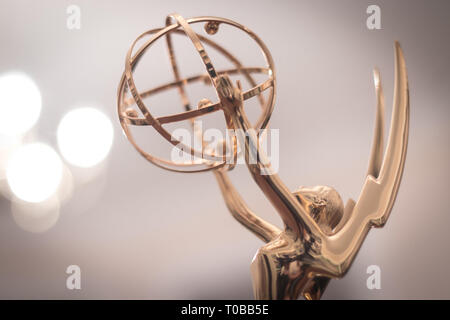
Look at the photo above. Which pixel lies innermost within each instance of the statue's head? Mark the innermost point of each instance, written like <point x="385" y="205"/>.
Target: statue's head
<point x="323" y="204"/>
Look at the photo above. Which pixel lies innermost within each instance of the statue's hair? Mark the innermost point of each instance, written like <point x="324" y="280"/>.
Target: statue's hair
<point x="323" y="203"/>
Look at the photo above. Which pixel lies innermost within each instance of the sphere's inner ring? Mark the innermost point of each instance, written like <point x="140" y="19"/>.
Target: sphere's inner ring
<point x="198" y="112"/>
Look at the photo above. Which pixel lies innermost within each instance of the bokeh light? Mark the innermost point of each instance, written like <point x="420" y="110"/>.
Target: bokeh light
<point x="36" y="217"/>
<point x="85" y="136"/>
<point x="8" y="144"/>
<point x="34" y="172"/>
<point x="20" y="104"/>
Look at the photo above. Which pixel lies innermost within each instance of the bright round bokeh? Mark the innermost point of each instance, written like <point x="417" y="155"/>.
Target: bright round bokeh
<point x="34" y="172"/>
<point x="36" y="217"/>
<point x="20" y="103"/>
<point x="85" y="136"/>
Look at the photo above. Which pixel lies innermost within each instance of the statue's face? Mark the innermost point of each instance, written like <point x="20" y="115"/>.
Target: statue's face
<point x="323" y="204"/>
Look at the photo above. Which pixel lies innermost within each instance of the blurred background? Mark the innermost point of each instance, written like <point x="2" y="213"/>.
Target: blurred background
<point x="73" y="190"/>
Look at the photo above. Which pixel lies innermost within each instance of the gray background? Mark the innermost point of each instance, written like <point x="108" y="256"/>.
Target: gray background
<point x="138" y="231"/>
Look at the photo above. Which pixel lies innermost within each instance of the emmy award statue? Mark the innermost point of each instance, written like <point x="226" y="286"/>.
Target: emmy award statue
<point x="321" y="236"/>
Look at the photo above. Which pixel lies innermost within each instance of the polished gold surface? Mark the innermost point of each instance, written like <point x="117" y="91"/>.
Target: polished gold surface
<point x="321" y="236"/>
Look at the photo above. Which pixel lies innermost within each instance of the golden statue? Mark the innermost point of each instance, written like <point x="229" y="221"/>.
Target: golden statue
<point x="321" y="236"/>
